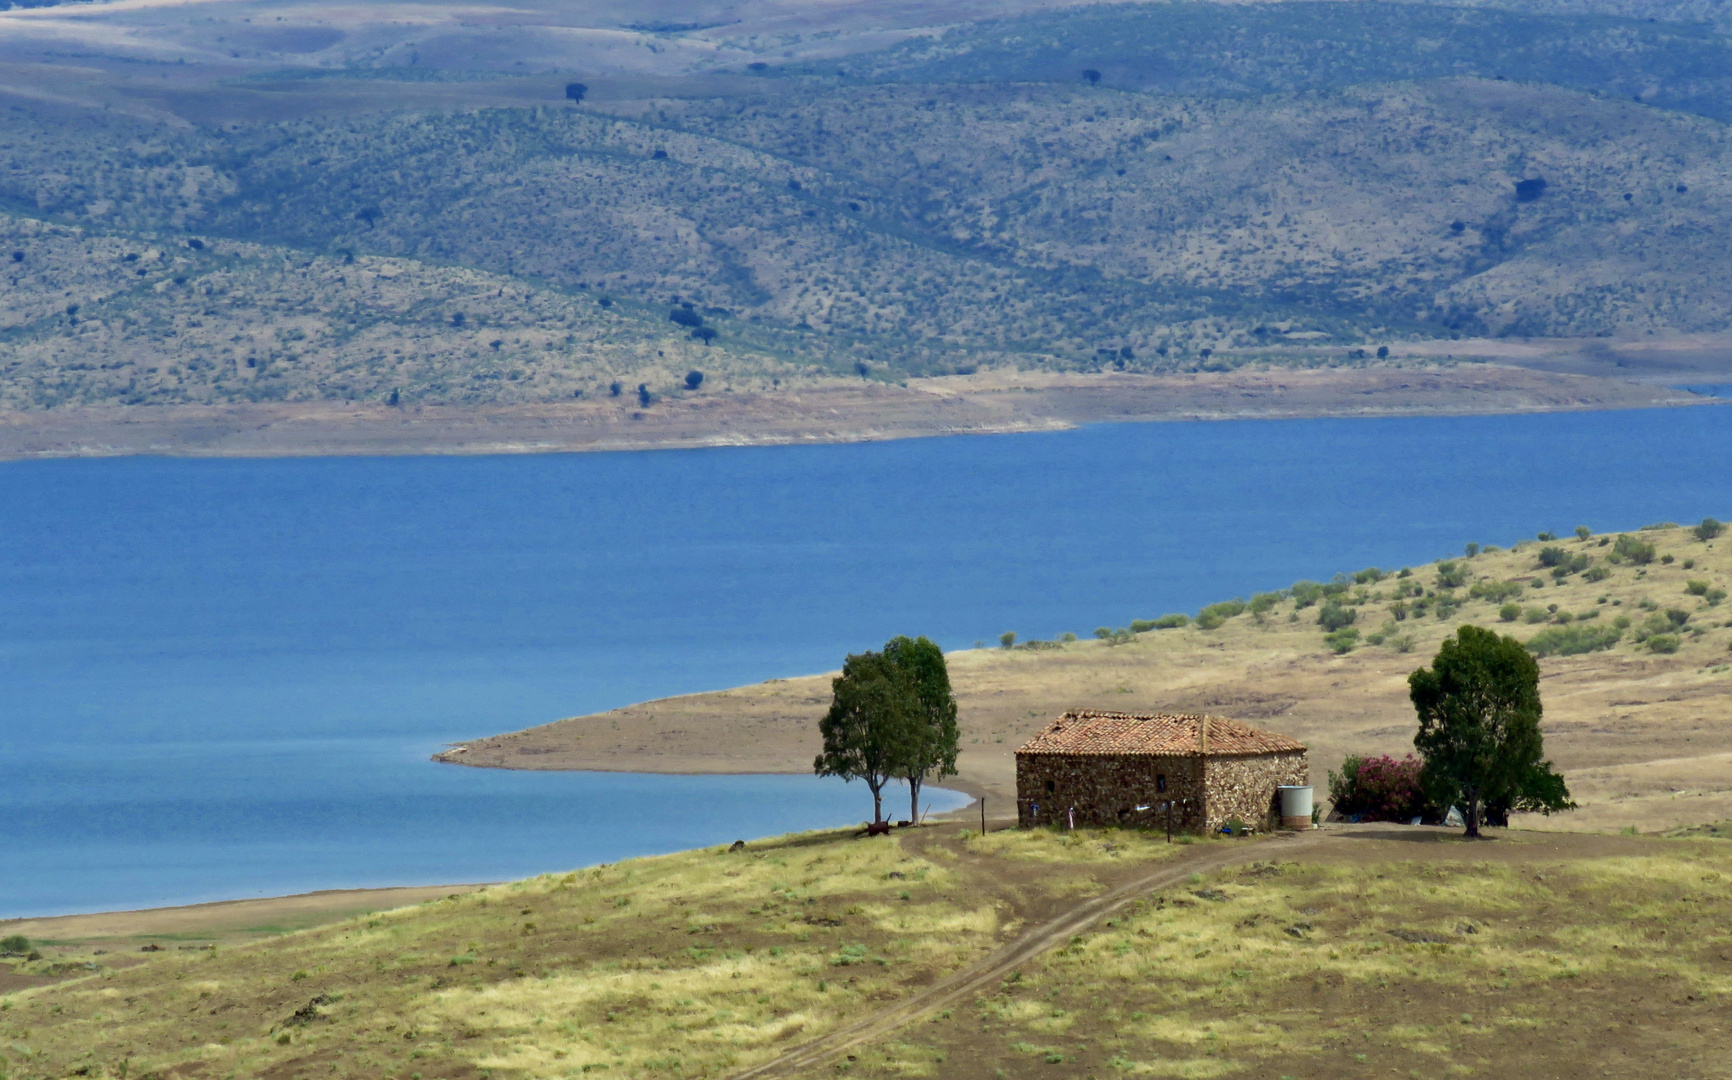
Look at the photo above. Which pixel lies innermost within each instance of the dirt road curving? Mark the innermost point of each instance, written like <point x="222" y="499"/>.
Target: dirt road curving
<point x="1050" y="934"/>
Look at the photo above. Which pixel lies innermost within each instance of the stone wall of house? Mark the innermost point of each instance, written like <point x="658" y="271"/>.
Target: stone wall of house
<point x="1106" y="790"/>
<point x="1244" y="786"/>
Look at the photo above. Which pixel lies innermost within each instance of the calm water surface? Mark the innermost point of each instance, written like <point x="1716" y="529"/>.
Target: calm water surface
<point x="223" y="678"/>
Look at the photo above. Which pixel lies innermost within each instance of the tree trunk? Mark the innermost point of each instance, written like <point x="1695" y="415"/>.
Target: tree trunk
<point x="914" y="800"/>
<point x="1472" y="816"/>
<point x="877" y="803"/>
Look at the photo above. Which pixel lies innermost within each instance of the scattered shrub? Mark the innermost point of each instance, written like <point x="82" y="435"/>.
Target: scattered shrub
<point x="1007" y="639"/>
<point x="1583" y="532"/>
<point x="1067" y="637"/>
<point x="1637" y="551"/>
<point x="1472" y="550"/>
<point x="1665" y="643"/>
<point x="1573" y="640"/>
<point x="1451" y="575"/>
<point x="1342" y="641"/>
<point x="1696" y="587"/>
<point x="1714" y="596"/>
<point x="1170" y="622"/>
<point x="1115" y="636"/>
<point x="15" y="945"/>
<point x="1495" y="591"/>
<point x="1596" y="573"/>
<point x="694" y="379"/>
<point x="1677" y="616"/>
<point x="1509" y="612"/>
<point x="1333" y="616"/>
<point x="1666" y="559"/>
<point x="1215" y="614"/>
<point x="1708" y="530"/>
<point x="1536" y="615"/>
<point x="1371" y="575"/>
<point x="1264" y="601"/>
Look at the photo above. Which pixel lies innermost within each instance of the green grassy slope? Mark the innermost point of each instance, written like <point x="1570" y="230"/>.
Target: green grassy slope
<point x="1433" y="955"/>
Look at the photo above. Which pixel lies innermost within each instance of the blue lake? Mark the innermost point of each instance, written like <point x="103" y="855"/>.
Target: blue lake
<point x="223" y="678"/>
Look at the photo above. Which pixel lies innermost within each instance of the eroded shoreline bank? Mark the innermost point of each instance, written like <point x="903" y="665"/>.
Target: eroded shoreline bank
<point x="989" y="403"/>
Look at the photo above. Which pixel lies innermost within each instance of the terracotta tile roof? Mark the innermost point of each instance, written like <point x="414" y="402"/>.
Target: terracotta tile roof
<point x="1085" y="731"/>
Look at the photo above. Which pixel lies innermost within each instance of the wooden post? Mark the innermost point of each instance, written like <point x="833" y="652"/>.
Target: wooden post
<point x="983" y="815"/>
<point x="1169" y="821"/>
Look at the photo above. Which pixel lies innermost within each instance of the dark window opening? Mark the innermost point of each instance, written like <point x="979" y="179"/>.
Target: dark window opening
<point x="1051" y="787"/>
<point x="1160" y="783"/>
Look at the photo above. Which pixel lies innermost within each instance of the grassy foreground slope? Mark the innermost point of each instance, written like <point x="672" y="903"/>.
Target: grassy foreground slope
<point x="1350" y="954"/>
<point x="1643" y="735"/>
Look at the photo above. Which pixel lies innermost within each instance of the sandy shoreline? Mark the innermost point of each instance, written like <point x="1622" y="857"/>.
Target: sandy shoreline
<point x="990" y="403"/>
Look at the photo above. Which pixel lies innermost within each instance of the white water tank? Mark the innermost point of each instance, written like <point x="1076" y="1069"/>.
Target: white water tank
<point x="1295" y="806"/>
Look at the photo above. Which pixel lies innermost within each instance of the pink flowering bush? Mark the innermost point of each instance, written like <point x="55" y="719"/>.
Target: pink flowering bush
<point x="1381" y="788"/>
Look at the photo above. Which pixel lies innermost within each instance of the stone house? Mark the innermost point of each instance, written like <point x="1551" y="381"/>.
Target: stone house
<point x="1104" y="768"/>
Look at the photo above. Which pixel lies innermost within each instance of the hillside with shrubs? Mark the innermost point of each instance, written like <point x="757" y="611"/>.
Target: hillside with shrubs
<point x="1138" y="188"/>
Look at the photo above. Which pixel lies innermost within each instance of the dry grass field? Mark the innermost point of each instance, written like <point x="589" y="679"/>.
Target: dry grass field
<point x="1643" y="735"/>
<point x="1355" y="952"/>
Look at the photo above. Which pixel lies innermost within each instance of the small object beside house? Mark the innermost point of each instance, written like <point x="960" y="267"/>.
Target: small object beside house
<point x="1105" y="768"/>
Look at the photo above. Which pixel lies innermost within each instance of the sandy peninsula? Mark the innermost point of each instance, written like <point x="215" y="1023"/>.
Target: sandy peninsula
<point x="1644" y="737"/>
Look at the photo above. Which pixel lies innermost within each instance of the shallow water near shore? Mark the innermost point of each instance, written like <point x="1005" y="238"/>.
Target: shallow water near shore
<point x="223" y="677"/>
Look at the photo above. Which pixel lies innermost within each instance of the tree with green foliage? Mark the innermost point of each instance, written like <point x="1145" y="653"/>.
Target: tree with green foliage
<point x="931" y="740"/>
<point x="892" y="715"/>
<point x="1479" y="729"/>
<point x="1708" y="529"/>
<point x="865" y="732"/>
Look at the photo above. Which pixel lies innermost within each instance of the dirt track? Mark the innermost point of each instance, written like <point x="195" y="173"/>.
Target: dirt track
<point x="1047" y="935"/>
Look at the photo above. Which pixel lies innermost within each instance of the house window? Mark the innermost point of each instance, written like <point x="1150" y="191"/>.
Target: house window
<point x="1160" y="783"/>
<point x="1051" y="787"/>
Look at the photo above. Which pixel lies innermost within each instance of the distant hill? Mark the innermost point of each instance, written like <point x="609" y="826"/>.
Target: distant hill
<point x="1136" y="187"/>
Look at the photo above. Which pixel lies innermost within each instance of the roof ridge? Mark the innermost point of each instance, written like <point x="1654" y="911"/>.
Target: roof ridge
<point x="1107" y="732"/>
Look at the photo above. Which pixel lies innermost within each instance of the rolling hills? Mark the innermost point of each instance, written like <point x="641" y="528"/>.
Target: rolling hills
<point x="1261" y="184"/>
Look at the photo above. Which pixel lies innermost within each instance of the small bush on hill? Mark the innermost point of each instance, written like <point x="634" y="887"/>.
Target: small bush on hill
<point x="1696" y="587"/>
<point x="1495" y="591"/>
<point x="1509" y="612"/>
<point x="1333" y="616"/>
<point x="1263" y="601"/>
<point x="1665" y="643"/>
<point x="15" y="945"/>
<point x="1114" y="636"/>
<point x="1215" y="614"/>
<point x="1573" y="640"/>
<point x="1371" y="575"/>
<point x="1343" y="640"/>
<point x="1596" y="573"/>
<point x="1451" y="575"/>
<point x="1629" y="548"/>
<point x="1305" y="593"/>
<point x="1708" y="530"/>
